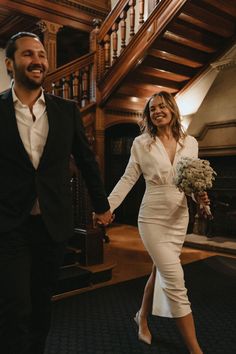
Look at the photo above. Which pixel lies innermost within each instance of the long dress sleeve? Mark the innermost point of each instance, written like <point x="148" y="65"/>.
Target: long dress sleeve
<point x="126" y="182"/>
<point x="194" y="148"/>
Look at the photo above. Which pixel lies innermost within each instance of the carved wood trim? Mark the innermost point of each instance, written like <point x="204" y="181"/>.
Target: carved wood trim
<point x="89" y="6"/>
<point x="215" y="125"/>
<point x="114" y="117"/>
<point x="64" y="12"/>
<point x="218" y="151"/>
<point x="219" y="148"/>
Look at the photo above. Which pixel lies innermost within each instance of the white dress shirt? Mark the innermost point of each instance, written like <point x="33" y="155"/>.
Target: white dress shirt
<point x="33" y="129"/>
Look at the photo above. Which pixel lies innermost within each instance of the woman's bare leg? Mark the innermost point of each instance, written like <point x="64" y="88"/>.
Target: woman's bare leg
<point x="186" y="327"/>
<point x="145" y="309"/>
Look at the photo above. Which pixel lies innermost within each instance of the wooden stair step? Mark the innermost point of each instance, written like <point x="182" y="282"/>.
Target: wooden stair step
<point x="92" y="278"/>
<point x="71" y="256"/>
<point x="71" y="278"/>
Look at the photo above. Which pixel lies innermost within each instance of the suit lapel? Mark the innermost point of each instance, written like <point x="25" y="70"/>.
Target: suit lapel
<point x="10" y="128"/>
<point x="53" y="114"/>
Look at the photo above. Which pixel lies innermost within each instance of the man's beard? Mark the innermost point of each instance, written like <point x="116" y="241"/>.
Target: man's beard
<point x="25" y="80"/>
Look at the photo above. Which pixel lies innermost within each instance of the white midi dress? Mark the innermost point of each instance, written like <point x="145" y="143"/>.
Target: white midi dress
<point x="163" y="217"/>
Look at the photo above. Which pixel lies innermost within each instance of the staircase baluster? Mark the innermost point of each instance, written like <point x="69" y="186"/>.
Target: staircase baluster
<point x="65" y="88"/>
<point x="59" y="88"/>
<point x="107" y="48"/>
<point x="85" y="82"/>
<point x="115" y="40"/>
<point x="132" y="4"/>
<point x="141" y="12"/>
<point x="123" y="17"/>
<point x="53" y="91"/>
<point x="75" y="85"/>
<point x="68" y="86"/>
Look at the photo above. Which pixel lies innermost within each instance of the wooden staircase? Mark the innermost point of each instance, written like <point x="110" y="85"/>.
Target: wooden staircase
<point x="170" y="50"/>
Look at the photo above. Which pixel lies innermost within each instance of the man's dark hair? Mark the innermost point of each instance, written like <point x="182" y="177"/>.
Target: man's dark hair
<point x="11" y="44"/>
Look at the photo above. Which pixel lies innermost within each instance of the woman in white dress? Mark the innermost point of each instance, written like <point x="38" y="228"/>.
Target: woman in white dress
<point x="163" y="215"/>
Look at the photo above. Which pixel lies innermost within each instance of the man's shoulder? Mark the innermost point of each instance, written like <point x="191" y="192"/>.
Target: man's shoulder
<point x="5" y="94"/>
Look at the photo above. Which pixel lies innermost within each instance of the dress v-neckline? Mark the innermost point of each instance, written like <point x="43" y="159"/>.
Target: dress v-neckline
<point x="176" y="148"/>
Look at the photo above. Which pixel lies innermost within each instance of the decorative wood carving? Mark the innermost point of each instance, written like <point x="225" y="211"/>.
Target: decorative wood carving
<point x="78" y="14"/>
<point x="141" y="12"/>
<point x="132" y="4"/>
<point x="120" y="117"/>
<point x="50" y="30"/>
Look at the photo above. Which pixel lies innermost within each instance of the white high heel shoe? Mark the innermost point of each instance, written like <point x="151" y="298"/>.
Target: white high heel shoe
<point x="143" y="336"/>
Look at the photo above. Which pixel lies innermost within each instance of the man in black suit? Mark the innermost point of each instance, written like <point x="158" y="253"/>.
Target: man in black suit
<point x="38" y="133"/>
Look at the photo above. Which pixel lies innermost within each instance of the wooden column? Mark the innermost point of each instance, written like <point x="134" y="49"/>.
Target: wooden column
<point x="50" y="30"/>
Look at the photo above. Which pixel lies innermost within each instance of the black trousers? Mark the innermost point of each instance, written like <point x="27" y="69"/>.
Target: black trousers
<point x="29" y="267"/>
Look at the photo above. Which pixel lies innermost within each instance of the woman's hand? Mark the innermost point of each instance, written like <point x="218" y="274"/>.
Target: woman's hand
<point x="104" y="219"/>
<point x="202" y="198"/>
<point x="204" y="203"/>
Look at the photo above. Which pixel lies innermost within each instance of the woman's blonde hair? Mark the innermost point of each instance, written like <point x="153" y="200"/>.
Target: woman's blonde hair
<point x="148" y="127"/>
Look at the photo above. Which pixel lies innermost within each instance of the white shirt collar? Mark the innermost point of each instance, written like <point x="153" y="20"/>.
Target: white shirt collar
<point x="41" y="98"/>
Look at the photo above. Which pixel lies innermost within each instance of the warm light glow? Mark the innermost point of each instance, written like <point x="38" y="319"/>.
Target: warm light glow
<point x="190" y="101"/>
<point x="185" y="121"/>
<point x="134" y="99"/>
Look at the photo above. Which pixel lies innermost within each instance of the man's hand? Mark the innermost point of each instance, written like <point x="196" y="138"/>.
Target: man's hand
<point x="104" y="218"/>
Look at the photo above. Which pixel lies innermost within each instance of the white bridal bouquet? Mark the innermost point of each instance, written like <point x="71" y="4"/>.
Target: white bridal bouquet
<point x="194" y="175"/>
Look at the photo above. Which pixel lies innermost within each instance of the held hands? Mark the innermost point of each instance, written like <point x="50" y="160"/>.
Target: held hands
<point x="104" y="219"/>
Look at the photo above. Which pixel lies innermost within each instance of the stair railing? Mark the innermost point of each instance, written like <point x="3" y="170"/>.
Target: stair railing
<point x="118" y="30"/>
<point x="74" y="80"/>
<point x="114" y="64"/>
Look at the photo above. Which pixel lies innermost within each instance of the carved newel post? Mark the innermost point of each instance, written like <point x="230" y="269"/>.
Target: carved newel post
<point x="50" y="30"/>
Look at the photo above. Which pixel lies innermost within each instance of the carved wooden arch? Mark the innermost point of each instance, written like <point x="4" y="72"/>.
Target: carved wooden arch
<point x="113" y="118"/>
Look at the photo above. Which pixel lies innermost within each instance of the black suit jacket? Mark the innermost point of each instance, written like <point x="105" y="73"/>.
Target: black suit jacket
<point x="21" y="183"/>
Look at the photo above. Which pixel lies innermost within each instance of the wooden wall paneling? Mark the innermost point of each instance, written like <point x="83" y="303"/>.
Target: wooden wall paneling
<point x="218" y="139"/>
